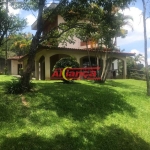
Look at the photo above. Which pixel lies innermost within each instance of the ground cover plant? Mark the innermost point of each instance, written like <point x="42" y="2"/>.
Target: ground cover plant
<point x="78" y="116"/>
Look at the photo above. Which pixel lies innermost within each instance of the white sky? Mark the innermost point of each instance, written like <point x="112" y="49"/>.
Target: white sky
<point x="137" y="23"/>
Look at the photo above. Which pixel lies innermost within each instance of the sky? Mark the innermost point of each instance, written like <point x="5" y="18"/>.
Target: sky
<point x="133" y="42"/>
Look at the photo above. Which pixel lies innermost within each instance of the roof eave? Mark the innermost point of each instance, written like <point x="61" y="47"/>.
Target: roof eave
<point x="41" y="47"/>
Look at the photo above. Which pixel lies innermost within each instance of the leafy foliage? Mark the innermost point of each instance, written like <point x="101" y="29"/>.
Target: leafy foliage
<point x="90" y="21"/>
<point x="135" y="67"/>
<point x="66" y="62"/>
<point x="20" y="43"/>
<point x="10" y="24"/>
<point x="97" y="20"/>
<point x="137" y="74"/>
<point x="15" y="87"/>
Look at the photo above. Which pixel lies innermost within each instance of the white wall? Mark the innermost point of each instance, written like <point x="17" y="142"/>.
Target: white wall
<point x="14" y="67"/>
<point x="115" y="64"/>
<point x="77" y="41"/>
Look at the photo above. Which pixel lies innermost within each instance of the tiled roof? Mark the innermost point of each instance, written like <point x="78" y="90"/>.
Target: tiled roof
<point x="90" y="49"/>
<point x="15" y="57"/>
<point x="41" y="47"/>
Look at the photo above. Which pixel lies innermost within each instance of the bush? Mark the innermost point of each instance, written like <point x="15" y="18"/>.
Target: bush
<point x="6" y="70"/>
<point x="137" y="75"/>
<point x="15" y="87"/>
<point x="66" y="62"/>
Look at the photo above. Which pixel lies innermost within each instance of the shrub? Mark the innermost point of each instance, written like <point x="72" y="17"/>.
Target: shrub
<point x="5" y="70"/>
<point x="137" y="75"/>
<point x="66" y="62"/>
<point x="15" y="87"/>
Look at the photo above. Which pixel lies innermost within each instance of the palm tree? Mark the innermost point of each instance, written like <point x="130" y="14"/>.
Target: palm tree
<point x="123" y="20"/>
<point x="138" y="59"/>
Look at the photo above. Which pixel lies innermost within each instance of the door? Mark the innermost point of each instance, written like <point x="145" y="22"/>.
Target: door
<point x="19" y="67"/>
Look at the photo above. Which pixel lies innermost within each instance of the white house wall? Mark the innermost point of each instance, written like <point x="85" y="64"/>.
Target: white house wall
<point x="77" y="41"/>
<point x="75" y="53"/>
<point x="115" y="64"/>
<point x="14" y="67"/>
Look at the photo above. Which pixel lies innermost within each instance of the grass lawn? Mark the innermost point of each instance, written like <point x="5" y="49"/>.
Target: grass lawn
<point x="79" y="116"/>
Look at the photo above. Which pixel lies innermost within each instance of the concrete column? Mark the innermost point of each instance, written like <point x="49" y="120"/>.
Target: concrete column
<point x="124" y="69"/>
<point x="81" y="62"/>
<point x="78" y="60"/>
<point x="97" y="61"/>
<point x="37" y="70"/>
<point x="47" y="68"/>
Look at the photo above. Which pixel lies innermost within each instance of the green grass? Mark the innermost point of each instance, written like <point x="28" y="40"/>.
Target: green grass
<point x="79" y="116"/>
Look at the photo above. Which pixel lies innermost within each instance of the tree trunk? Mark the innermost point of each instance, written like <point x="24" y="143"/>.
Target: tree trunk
<point x="106" y="66"/>
<point x="105" y="70"/>
<point x="25" y="79"/>
<point x="145" y="48"/>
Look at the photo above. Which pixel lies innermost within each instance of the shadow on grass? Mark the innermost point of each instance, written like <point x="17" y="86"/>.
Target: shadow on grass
<point x="79" y="101"/>
<point x="2" y="84"/>
<point x="11" y="109"/>
<point x="109" y="138"/>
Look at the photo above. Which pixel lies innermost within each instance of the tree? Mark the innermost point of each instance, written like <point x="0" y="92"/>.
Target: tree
<point x="100" y="30"/>
<point x="9" y="24"/>
<point x="134" y="63"/>
<point x="123" y="20"/>
<point x="138" y="59"/>
<point x="130" y="65"/>
<point x="20" y="43"/>
<point x="73" y="12"/>
<point x="145" y="47"/>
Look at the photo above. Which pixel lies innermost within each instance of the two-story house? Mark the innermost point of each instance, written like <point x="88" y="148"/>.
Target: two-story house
<point x="47" y="56"/>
